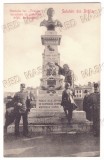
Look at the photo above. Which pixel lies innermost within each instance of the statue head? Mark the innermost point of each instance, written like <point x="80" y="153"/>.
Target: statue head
<point x="50" y="12"/>
<point x="50" y="24"/>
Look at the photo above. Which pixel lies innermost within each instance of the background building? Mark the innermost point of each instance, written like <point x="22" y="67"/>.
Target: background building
<point x="79" y="93"/>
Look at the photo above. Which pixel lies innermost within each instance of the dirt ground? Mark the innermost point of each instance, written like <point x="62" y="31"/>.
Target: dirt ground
<point x="53" y="145"/>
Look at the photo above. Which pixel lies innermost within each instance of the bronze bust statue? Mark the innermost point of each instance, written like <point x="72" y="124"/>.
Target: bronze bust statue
<point x="50" y="24"/>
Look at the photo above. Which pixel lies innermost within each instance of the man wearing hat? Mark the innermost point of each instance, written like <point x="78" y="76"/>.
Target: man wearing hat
<point x="68" y="102"/>
<point x="94" y="100"/>
<point x="22" y="107"/>
<point x="86" y="107"/>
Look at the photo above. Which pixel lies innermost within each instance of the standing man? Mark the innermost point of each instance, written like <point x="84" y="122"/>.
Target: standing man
<point x="67" y="102"/>
<point x="94" y="100"/>
<point x="86" y="107"/>
<point x="22" y="107"/>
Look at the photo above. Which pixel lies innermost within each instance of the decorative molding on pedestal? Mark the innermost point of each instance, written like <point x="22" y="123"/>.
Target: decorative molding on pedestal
<point x="51" y="39"/>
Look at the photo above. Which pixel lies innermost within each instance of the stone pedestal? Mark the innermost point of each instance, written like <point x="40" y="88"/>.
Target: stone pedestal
<point x="48" y="108"/>
<point x="79" y="116"/>
<point x="49" y="102"/>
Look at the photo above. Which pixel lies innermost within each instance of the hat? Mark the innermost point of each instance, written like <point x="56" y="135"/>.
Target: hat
<point x="9" y="97"/>
<point x="85" y="91"/>
<point x="22" y="85"/>
<point x="96" y="85"/>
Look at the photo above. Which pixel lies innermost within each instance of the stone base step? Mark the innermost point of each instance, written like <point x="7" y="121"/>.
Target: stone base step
<point x="64" y="128"/>
<point x="54" y="120"/>
<point x="55" y="117"/>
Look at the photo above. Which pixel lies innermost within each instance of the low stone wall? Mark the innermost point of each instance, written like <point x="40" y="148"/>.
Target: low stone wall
<point x="55" y="122"/>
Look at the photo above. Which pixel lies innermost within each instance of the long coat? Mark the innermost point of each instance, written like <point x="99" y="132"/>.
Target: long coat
<point x="66" y="102"/>
<point x="11" y="110"/>
<point x="10" y="113"/>
<point x="23" y="99"/>
<point x="95" y="103"/>
<point x="87" y="107"/>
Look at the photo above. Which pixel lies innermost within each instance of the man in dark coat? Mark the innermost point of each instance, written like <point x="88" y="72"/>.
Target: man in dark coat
<point x="95" y="103"/>
<point x="22" y="107"/>
<point x="86" y="107"/>
<point x="10" y="114"/>
<point x="66" y="102"/>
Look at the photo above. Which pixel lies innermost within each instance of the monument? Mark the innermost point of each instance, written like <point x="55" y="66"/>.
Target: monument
<point x="49" y="94"/>
<point x="48" y="115"/>
<point x="50" y="91"/>
<point x="48" y="104"/>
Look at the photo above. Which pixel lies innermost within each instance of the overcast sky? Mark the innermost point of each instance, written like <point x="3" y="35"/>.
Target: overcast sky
<point x="80" y="45"/>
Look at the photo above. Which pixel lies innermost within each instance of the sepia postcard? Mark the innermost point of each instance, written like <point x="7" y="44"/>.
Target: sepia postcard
<point x="51" y="79"/>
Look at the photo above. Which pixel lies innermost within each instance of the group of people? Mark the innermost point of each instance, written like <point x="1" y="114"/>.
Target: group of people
<point x="20" y="108"/>
<point x="21" y="103"/>
<point x="91" y="105"/>
<point x="91" y="102"/>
